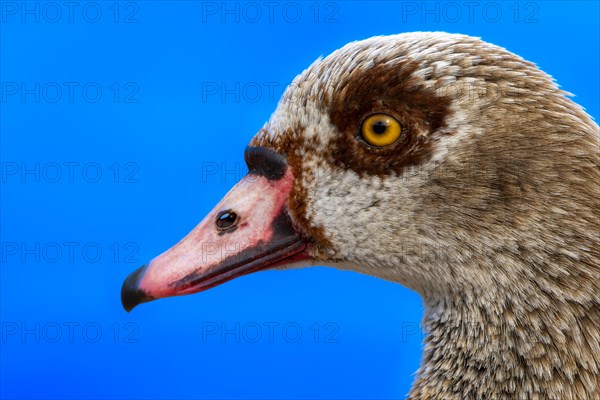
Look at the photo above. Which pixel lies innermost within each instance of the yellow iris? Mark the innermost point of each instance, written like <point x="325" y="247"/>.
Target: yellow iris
<point x="380" y="130"/>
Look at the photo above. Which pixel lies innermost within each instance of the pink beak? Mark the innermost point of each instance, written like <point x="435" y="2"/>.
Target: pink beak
<point x="249" y="230"/>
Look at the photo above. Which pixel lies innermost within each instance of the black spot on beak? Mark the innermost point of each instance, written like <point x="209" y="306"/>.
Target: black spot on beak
<point x="131" y="294"/>
<point x="265" y="162"/>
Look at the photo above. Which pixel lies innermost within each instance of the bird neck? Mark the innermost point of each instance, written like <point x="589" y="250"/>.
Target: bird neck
<point x="488" y="346"/>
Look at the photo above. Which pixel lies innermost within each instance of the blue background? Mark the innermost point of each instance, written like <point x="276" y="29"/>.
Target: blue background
<point x="169" y="143"/>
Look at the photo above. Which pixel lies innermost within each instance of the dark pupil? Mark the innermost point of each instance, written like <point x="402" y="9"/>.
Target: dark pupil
<point x="226" y="219"/>
<point x="379" y="127"/>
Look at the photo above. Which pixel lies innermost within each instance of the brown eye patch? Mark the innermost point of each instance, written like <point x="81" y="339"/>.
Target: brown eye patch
<point x="392" y="90"/>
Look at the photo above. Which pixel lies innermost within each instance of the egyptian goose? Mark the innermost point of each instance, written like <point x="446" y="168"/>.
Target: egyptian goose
<point x="443" y="163"/>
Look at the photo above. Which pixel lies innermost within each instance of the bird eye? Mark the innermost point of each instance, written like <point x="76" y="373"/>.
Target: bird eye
<point x="380" y="130"/>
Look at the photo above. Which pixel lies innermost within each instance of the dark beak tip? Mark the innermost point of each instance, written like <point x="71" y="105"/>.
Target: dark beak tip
<point x="131" y="294"/>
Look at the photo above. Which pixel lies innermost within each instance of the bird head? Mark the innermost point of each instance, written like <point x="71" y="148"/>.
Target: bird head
<point x="434" y="160"/>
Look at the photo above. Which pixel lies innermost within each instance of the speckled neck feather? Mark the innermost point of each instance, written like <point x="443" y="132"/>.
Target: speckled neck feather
<point x="487" y="206"/>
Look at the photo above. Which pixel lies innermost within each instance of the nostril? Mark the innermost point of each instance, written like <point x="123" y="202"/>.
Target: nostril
<point x="226" y="220"/>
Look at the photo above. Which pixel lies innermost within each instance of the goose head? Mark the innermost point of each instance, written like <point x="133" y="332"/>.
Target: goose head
<point x="443" y="163"/>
